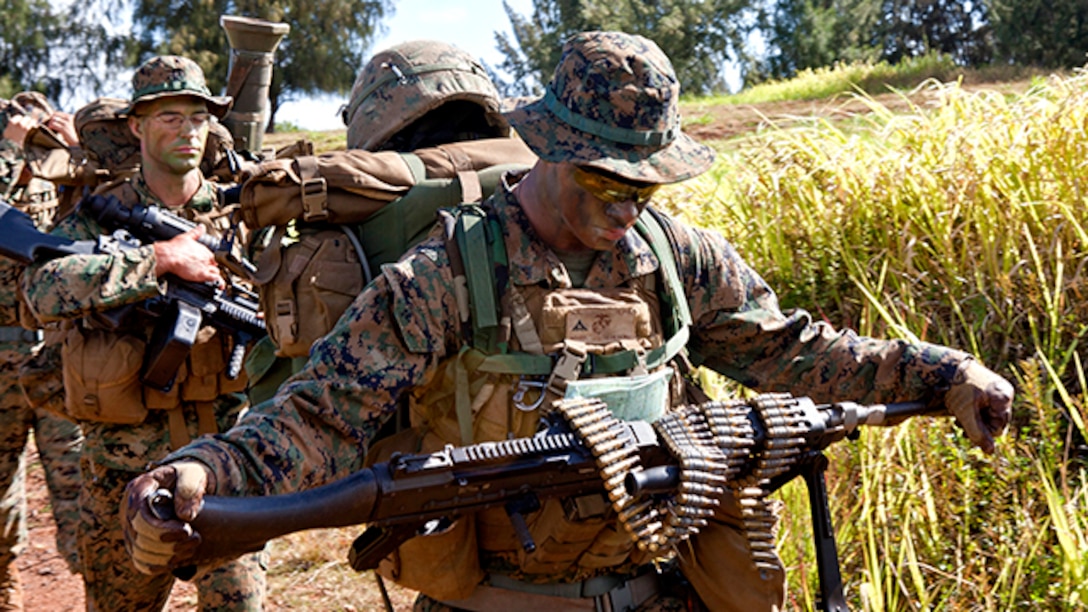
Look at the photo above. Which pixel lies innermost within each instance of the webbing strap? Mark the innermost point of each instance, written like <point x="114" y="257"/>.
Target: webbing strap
<point x="313" y="190"/>
<point x="462" y="399"/>
<point x="179" y="431"/>
<point x="541" y="365"/>
<point x="415" y="166"/>
<point x="650" y="227"/>
<point x="472" y="240"/>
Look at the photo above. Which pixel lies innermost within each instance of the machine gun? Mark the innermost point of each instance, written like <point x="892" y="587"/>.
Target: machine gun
<point x="662" y="480"/>
<point x="178" y="315"/>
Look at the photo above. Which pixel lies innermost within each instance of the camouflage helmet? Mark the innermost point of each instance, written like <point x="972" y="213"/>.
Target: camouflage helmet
<point x="404" y="82"/>
<point x="171" y="75"/>
<point x="105" y="136"/>
<point x="613" y="104"/>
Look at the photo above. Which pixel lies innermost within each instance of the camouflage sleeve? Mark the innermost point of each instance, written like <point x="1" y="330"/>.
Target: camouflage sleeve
<point x="740" y="331"/>
<point x="9" y="294"/>
<point x="72" y="286"/>
<point x="320" y="424"/>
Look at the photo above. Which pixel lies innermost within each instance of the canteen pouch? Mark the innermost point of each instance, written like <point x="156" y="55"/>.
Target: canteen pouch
<point x="102" y="376"/>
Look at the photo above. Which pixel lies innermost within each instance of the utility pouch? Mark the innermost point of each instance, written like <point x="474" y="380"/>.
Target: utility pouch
<point x="306" y="286"/>
<point x="102" y="376"/>
<point x="206" y="364"/>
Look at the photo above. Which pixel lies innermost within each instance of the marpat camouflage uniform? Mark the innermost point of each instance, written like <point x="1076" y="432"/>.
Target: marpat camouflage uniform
<point x="67" y="288"/>
<point x="58" y="439"/>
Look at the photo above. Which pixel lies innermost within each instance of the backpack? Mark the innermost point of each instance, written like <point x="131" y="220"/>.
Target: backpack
<point x="336" y="218"/>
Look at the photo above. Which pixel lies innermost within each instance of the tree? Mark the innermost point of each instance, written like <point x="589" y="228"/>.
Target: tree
<point x="812" y="33"/>
<point x="28" y="28"/>
<point x="956" y="28"/>
<point x="322" y="53"/>
<point x="699" y="36"/>
<point x="805" y="34"/>
<point x="1046" y="33"/>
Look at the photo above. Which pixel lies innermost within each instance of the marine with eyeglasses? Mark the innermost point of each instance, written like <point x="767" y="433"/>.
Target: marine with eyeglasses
<point x="128" y="424"/>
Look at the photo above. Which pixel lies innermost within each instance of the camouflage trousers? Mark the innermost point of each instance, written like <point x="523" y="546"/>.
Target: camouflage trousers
<point x="111" y="581"/>
<point x="58" y="441"/>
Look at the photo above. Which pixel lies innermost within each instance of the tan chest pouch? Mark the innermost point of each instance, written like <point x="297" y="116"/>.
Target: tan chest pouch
<point x="102" y="376"/>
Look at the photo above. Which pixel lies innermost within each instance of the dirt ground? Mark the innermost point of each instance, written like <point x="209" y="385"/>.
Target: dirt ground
<point x="48" y="586"/>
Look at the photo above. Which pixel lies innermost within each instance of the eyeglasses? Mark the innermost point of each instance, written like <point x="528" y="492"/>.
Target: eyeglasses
<point x="173" y="120"/>
<point x="611" y="190"/>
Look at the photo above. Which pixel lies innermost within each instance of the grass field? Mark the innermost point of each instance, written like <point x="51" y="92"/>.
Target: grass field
<point x="960" y="221"/>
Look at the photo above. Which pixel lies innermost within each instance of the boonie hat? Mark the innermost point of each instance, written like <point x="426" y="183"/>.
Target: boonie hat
<point x="406" y="81"/>
<point x="35" y="105"/>
<point x="32" y="103"/>
<point x="105" y="136"/>
<point x="613" y="104"/>
<point x="172" y="75"/>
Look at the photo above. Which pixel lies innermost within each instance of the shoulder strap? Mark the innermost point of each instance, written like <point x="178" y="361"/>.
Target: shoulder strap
<point x="649" y="225"/>
<point x="482" y="250"/>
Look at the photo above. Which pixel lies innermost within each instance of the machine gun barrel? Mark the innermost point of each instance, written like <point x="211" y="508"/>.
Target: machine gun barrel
<point x="826" y="424"/>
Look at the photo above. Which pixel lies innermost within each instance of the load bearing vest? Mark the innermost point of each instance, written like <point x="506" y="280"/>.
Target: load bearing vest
<point x="476" y="249"/>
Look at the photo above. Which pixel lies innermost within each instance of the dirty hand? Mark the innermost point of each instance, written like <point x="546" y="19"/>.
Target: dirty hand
<point x="155" y="541"/>
<point x="982" y="403"/>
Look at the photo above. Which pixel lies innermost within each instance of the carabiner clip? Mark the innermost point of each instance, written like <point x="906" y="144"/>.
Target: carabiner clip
<point x="521" y="388"/>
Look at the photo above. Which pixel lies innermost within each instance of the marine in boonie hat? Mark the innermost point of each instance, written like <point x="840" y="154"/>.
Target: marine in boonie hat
<point x="30" y="103"/>
<point x="613" y="104"/>
<point x="35" y="105"/>
<point x="172" y="75"/>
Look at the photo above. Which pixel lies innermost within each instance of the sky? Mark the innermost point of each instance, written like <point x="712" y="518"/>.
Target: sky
<point x="468" y="24"/>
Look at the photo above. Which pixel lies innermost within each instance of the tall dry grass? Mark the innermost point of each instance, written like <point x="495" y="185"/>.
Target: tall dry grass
<point x="960" y="224"/>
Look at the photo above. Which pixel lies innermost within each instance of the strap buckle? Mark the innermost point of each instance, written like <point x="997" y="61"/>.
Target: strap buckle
<point x="566" y="369"/>
<point x="314" y="193"/>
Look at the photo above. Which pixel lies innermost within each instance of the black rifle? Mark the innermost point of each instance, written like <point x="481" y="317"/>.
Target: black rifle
<point x="413" y="495"/>
<point x="178" y="314"/>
